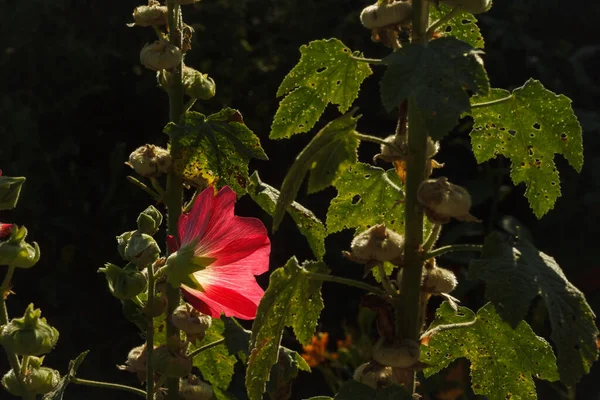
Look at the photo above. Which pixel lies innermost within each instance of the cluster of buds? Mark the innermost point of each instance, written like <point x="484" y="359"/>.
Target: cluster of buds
<point x="150" y="161"/>
<point x="36" y="379"/>
<point x="191" y="321"/>
<point x="443" y="200"/>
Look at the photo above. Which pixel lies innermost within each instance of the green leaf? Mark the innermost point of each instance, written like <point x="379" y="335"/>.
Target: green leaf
<point x="530" y="127"/>
<point x="216" y="148"/>
<point x="388" y="267"/>
<point x="10" y="189"/>
<point x="237" y="339"/>
<point x="463" y="26"/>
<point x="503" y="360"/>
<point x="290" y="300"/>
<point x="59" y="391"/>
<point x="327" y="156"/>
<point x="289" y="363"/>
<point x="309" y="225"/>
<point x="353" y="390"/>
<point x="516" y="273"/>
<point x="326" y="73"/>
<point x="437" y="77"/>
<point x="215" y="364"/>
<point x="367" y="195"/>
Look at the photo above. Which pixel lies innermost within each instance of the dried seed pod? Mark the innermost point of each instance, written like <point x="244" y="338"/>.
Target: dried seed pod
<point x="191" y="321"/>
<point x="152" y="14"/>
<point x="470" y="6"/>
<point x="193" y="388"/>
<point x="443" y="200"/>
<point x="160" y="55"/>
<point x="380" y="15"/>
<point x="438" y="280"/>
<point x="150" y="161"/>
<point x="170" y="364"/>
<point x="400" y="354"/>
<point x="374" y="375"/>
<point x="136" y="362"/>
<point x="377" y="244"/>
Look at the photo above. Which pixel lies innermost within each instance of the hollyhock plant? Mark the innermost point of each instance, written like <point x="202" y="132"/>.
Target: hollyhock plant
<point x="5" y="230"/>
<point x="219" y="256"/>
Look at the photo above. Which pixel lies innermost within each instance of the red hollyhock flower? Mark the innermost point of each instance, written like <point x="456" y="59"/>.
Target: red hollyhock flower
<point x="219" y="256"/>
<point x="5" y="229"/>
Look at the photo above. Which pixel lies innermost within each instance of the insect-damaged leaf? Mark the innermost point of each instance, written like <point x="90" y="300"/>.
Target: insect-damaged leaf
<point x="291" y="299"/>
<point x="530" y="127"/>
<point x="462" y="26"/>
<point x="327" y="156"/>
<point x="326" y="73"/>
<point x="309" y="225"/>
<point x="515" y="273"/>
<point x="503" y="361"/>
<point x="216" y="148"/>
<point x="437" y="78"/>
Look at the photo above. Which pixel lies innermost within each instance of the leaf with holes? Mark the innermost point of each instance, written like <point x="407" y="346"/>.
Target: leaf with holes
<point x="327" y="156"/>
<point x="216" y="148"/>
<point x="367" y="195"/>
<point x="326" y="73"/>
<point x="516" y="273"/>
<point x="437" y="77"/>
<point x="462" y="26"/>
<point x="291" y="299"/>
<point x="309" y="225"/>
<point x="503" y="360"/>
<point x="530" y="127"/>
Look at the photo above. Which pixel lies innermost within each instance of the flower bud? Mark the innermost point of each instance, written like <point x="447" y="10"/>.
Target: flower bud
<point x="149" y="221"/>
<point x="5" y="230"/>
<point x="380" y="15"/>
<point x="160" y="55"/>
<point x="443" y="200"/>
<point x="124" y="283"/>
<point x="30" y="335"/>
<point x="141" y="249"/>
<point x="191" y="321"/>
<point x="470" y="6"/>
<point x="152" y="14"/>
<point x="198" y="85"/>
<point x="170" y="364"/>
<point x="10" y="189"/>
<point x="150" y="161"/>
<point x="192" y="388"/>
<point x="21" y="255"/>
<point x="377" y="244"/>
<point x="438" y="280"/>
<point x="401" y="354"/>
<point x="374" y="375"/>
<point x="136" y="362"/>
<point x="37" y="380"/>
<point x="122" y="241"/>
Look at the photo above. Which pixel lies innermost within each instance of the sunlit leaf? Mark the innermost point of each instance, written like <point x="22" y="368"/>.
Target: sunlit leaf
<point x="326" y="73"/>
<point x="463" y="26"/>
<point x="516" y="273"/>
<point x="530" y="128"/>
<point x="503" y="361"/>
<point x="59" y="391"/>
<point x="215" y="364"/>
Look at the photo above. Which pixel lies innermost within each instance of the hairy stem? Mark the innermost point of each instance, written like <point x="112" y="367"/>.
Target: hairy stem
<point x="441" y="328"/>
<point x="492" y="102"/>
<point x="205" y="347"/>
<point x="433" y="237"/>
<point x="107" y="385"/>
<point x="150" y="336"/>
<point x="367" y="60"/>
<point x="344" y="281"/>
<point x="452" y="248"/>
<point x="155" y="196"/>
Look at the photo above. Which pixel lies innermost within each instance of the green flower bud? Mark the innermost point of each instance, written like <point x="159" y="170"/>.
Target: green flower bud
<point x="149" y="221"/>
<point x="192" y="388"/>
<point x="191" y="321"/>
<point x="160" y="55"/>
<point x="15" y="251"/>
<point x="170" y="364"/>
<point x="141" y="249"/>
<point x="124" y="283"/>
<point x="198" y="85"/>
<point x="30" y="335"/>
<point x="122" y="242"/>
<point x="38" y="380"/>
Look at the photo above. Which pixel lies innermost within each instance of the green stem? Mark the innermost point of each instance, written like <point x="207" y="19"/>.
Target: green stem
<point x="155" y="196"/>
<point x="492" y="102"/>
<point x="385" y="280"/>
<point x="205" y="347"/>
<point x="367" y="60"/>
<point x="452" y="248"/>
<point x="344" y="281"/>
<point x="431" y="30"/>
<point x="188" y="106"/>
<point x="433" y="237"/>
<point x="150" y="337"/>
<point x="174" y="192"/>
<point x="107" y="385"/>
<point x="374" y="139"/>
<point x="441" y="328"/>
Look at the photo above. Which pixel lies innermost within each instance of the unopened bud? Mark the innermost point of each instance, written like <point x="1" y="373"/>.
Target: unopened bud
<point x="438" y="280"/>
<point x="401" y="354"/>
<point x="377" y="244"/>
<point x="443" y="200"/>
<point x="191" y="321"/>
<point x="5" y="230"/>
<point x="380" y="15"/>
<point x="122" y="241"/>
<point x="374" y="375"/>
<point x="170" y="364"/>
<point x="192" y="388"/>
<point x="198" y="85"/>
<point x="37" y="380"/>
<point x="141" y="249"/>
<point x="19" y="253"/>
<point x="149" y="221"/>
<point x="160" y="55"/>
<point x="124" y="283"/>
<point x="29" y="335"/>
<point x="136" y="362"/>
<point x="152" y="14"/>
<point x="150" y="161"/>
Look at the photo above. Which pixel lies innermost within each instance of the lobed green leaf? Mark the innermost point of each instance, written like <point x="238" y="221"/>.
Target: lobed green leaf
<point x="529" y="128"/>
<point x="463" y="26"/>
<point x="437" y="77"/>
<point x="290" y="300"/>
<point x="216" y="148"/>
<point x="516" y="273"/>
<point x="326" y="73"/>
<point x="503" y="361"/>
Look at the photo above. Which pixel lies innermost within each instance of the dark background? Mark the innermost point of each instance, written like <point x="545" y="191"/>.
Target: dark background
<point x="75" y="101"/>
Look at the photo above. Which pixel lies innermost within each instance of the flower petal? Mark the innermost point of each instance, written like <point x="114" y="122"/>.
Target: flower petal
<point x="251" y="253"/>
<point x="5" y="229"/>
<point x="192" y="225"/>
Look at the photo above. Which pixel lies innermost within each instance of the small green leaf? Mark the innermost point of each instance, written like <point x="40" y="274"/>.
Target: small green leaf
<point x="290" y="300"/>
<point x="516" y="273"/>
<point x="10" y="189"/>
<point x="309" y="225"/>
<point x="388" y="267"/>
<point x="503" y="361"/>
<point x="353" y="390"/>
<point x="237" y="339"/>
<point x="367" y="195"/>
<point x="326" y="73"/>
<point x="530" y="127"/>
<point x="463" y="26"/>
<point x="216" y="364"/>
<point x="437" y="77"/>
<point x="216" y="148"/>
<point x="327" y="156"/>
<point x="59" y="391"/>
